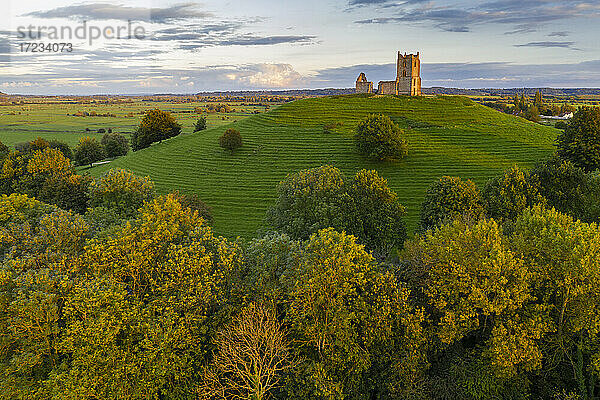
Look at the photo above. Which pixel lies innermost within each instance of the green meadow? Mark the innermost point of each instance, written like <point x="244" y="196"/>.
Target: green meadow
<point x="447" y="136"/>
<point x="55" y="120"/>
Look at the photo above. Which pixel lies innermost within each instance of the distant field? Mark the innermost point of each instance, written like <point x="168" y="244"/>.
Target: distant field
<point x="22" y="123"/>
<point x="447" y="136"/>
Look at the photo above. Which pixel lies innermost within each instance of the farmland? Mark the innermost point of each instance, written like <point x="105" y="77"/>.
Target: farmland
<point x="447" y="136"/>
<point x="67" y="121"/>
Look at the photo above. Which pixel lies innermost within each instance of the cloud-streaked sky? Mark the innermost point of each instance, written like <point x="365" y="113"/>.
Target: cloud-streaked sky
<point x="193" y="46"/>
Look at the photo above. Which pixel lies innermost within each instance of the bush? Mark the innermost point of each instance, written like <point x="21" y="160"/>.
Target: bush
<point x="231" y="140"/>
<point x="101" y="130"/>
<point x="88" y="151"/>
<point x="379" y="138"/>
<point x="200" y="124"/>
<point x="115" y="145"/>
<point x="62" y="147"/>
<point x="448" y="199"/>
<point x="156" y="126"/>
<point x="580" y="142"/>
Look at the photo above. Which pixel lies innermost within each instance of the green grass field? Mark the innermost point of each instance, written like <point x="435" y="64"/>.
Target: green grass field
<point x="446" y="135"/>
<point x="23" y="123"/>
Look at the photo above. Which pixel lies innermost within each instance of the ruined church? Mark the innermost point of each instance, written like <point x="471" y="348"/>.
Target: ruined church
<point x="408" y="78"/>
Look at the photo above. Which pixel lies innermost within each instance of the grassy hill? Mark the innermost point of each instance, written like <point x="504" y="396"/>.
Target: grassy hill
<point x="447" y="136"/>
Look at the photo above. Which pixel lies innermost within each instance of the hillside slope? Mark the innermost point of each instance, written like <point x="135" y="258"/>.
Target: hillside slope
<point x="447" y="136"/>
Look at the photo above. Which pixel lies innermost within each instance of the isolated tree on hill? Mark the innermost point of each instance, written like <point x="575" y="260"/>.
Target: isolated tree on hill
<point x="156" y="126"/>
<point x="580" y="142"/>
<point x="88" y="151"/>
<point x="448" y="199"/>
<point x="200" y="124"/>
<point x="231" y="140"/>
<point x="379" y="138"/>
<point x="115" y="145"/>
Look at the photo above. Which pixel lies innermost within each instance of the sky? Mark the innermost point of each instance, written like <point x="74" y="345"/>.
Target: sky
<point x="213" y="45"/>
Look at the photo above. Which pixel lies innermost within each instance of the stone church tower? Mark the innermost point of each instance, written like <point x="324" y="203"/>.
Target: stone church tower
<point x="408" y="74"/>
<point x="408" y="78"/>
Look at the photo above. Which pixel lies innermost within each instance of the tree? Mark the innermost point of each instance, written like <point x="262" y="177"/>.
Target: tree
<point x="4" y="151"/>
<point x="539" y="100"/>
<point x="532" y="114"/>
<point x="580" y="142"/>
<point x="115" y="145"/>
<point x="156" y="126"/>
<point x="62" y="147"/>
<point x="477" y="288"/>
<point x="378" y="137"/>
<point x="88" y="151"/>
<point x="231" y="140"/>
<point x="121" y="191"/>
<point x="252" y="355"/>
<point x="508" y="195"/>
<point x="565" y="278"/>
<point x="141" y="323"/>
<point x="359" y="335"/>
<point x="200" y="124"/>
<point x="195" y="203"/>
<point x="448" y="199"/>
<point x="365" y="206"/>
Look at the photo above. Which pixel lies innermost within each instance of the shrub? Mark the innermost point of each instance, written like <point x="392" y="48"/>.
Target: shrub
<point x="156" y="126"/>
<point x="200" y="124"/>
<point x="448" y="199"/>
<point x="101" y="130"/>
<point x="231" y="140"/>
<point x="580" y="142"/>
<point x="115" y="145"/>
<point x="88" y="151"/>
<point x="378" y="137"/>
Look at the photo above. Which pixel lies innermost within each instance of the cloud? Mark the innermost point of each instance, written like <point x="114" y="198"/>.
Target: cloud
<point x="267" y="76"/>
<point x="224" y="34"/>
<point x="106" y="11"/>
<point x="452" y="17"/>
<point x="549" y="44"/>
<point x="559" y="34"/>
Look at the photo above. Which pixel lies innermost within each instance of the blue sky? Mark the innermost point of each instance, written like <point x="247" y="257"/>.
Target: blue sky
<point x="189" y="46"/>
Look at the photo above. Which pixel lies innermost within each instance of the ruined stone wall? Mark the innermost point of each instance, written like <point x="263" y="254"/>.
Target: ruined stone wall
<point x="364" y="87"/>
<point x="387" y="87"/>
